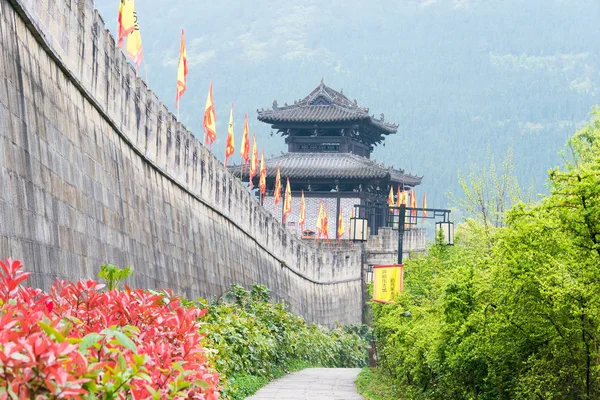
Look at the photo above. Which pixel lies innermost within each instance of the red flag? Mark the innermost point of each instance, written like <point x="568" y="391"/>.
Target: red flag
<point x="262" y="181"/>
<point x="287" y="202"/>
<point x="182" y="71"/>
<point x="277" y="192"/>
<point x="391" y="197"/>
<point x="210" y="119"/>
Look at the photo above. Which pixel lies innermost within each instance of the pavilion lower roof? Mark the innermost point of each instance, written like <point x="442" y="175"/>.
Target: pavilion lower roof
<point x="326" y="166"/>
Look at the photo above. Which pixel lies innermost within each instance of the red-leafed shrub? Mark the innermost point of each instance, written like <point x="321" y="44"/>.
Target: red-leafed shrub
<point x="77" y="340"/>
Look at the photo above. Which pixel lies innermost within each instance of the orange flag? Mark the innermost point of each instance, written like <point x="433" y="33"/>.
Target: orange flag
<point x="182" y="71"/>
<point x="253" y="160"/>
<point x="424" y="205"/>
<point x="391" y="197"/>
<point x="325" y="224"/>
<point x="320" y="221"/>
<point x="287" y="202"/>
<point x="229" y="149"/>
<point x="126" y="20"/>
<point x="210" y="119"/>
<point x="340" y="231"/>
<point x="245" y="149"/>
<point x="277" y="193"/>
<point x="262" y="181"/>
<point x="302" y="218"/>
<point x="398" y="197"/>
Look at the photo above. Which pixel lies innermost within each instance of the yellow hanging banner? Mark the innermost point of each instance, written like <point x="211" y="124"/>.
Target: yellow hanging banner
<point x="388" y="281"/>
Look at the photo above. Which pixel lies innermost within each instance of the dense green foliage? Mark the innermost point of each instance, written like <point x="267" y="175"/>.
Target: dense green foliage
<point x="255" y="341"/>
<point x="509" y="312"/>
<point x="456" y="75"/>
<point x="373" y="384"/>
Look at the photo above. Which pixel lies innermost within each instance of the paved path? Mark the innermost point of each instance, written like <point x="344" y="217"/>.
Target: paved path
<point x="313" y="384"/>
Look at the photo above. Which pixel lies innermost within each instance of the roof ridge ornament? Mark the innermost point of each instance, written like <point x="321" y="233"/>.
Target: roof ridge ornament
<point x="275" y="105"/>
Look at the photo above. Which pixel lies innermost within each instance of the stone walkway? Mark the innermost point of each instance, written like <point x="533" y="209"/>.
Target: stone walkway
<point x="313" y="384"/>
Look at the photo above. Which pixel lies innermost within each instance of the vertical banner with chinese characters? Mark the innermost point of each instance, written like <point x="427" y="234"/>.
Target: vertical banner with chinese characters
<point x="388" y="281"/>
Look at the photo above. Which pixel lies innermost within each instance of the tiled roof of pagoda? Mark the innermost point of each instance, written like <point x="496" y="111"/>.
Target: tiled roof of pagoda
<point x="331" y="166"/>
<point x="324" y="105"/>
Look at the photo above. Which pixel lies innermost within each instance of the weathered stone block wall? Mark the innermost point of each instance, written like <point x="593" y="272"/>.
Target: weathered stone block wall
<point x="95" y="169"/>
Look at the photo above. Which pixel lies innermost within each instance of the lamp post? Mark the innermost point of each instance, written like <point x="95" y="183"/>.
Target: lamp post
<point x="446" y="226"/>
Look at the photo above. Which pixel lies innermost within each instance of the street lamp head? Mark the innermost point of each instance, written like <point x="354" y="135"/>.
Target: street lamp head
<point x="447" y="229"/>
<point x="358" y="230"/>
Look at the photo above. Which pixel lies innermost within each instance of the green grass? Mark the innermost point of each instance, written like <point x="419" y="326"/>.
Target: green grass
<point x="372" y="384"/>
<point x="242" y="386"/>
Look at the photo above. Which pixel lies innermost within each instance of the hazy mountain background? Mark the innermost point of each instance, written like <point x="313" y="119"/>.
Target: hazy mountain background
<point x="458" y="76"/>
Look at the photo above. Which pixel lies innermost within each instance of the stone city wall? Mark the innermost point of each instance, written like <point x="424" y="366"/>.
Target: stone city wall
<point x="95" y="169"/>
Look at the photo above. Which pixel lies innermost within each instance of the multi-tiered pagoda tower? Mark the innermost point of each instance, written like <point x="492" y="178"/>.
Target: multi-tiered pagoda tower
<point x="330" y="140"/>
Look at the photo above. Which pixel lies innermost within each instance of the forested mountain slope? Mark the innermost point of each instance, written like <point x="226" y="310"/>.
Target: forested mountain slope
<point x="457" y="75"/>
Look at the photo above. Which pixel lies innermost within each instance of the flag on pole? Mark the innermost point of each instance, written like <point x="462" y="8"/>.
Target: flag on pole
<point x="126" y="20"/>
<point x="262" y="181"/>
<point x="398" y="197"/>
<point x="391" y="197"/>
<point x="182" y="71"/>
<point x="424" y="206"/>
<point x="341" y="230"/>
<point x="134" y="44"/>
<point x="287" y="202"/>
<point x="210" y="119"/>
<point x="413" y="204"/>
<point x="129" y="29"/>
<point x="302" y="217"/>
<point x="245" y="149"/>
<point x="320" y="221"/>
<point x="253" y="161"/>
<point x="325" y="223"/>
<point x="230" y="148"/>
<point x="277" y="193"/>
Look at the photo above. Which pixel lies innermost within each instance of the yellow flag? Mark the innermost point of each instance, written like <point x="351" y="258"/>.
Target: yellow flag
<point x="129" y="29"/>
<point x="126" y="20"/>
<point x="134" y="47"/>
<point x="391" y="197"/>
<point x="320" y="220"/>
<point x="253" y="161"/>
<point x="277" y="192"/>
<point x="287" y="201"/>
<point x="210" y="119"/>
<point x="245" y="149"/>
<point x="341" y="230"/>
<point x="388" y="282"/>
<point x="262" y="180"/>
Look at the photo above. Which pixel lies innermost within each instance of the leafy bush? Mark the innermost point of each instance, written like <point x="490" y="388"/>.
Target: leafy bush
<point x="77" y="341"/>
<point x="255" y="341"/>
<point x="511" y="312"/>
